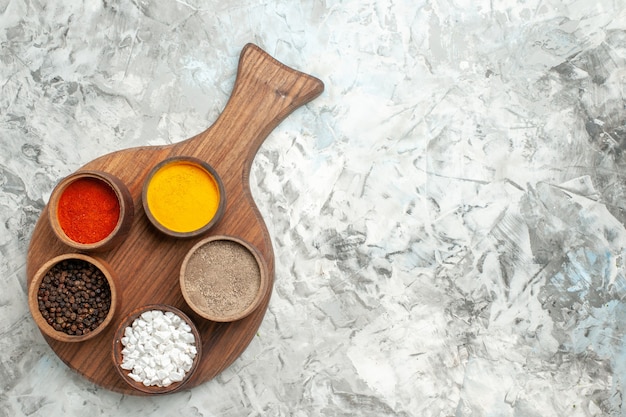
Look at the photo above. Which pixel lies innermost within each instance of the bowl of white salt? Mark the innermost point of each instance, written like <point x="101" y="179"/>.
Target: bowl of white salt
<point x="156" y="349"/>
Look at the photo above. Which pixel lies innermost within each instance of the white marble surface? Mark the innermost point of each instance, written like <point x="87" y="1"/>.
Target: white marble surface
<point x="448" y="217"/>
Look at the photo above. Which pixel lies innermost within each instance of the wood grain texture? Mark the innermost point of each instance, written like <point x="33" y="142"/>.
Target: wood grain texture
<point x="147" y="263"/>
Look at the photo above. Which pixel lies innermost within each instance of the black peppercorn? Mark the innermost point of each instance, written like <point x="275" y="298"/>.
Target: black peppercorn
<point x="64" y="302"/>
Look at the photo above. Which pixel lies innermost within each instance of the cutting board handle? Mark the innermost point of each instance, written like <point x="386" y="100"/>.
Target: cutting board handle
<point x="265" y="92"/>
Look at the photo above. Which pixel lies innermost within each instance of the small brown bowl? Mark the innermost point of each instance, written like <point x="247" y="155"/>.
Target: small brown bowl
<point x="95" y="243"/>
<point x="223" y="278"/>
<point x="170" y="223"/>
<point x="118" y="347"/>
<point x="34" y="294"/>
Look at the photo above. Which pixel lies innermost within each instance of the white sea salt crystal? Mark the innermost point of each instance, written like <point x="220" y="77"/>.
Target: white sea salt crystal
<point x="159" y="348"/>
<point x="174" y="318"/>
<point x="150" y="373"/>
<point x="187" y="337"/>
<point x="162" y="374"/>
<point x="133" y="354"/>
<point x="163" y="335"/>
<point x="128" y="364"/>
<point x="165" y="362"/>
<point x="177" y="376"/>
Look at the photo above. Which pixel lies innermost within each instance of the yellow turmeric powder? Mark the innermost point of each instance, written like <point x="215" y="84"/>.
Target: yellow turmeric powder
<point x="183" y="197"/>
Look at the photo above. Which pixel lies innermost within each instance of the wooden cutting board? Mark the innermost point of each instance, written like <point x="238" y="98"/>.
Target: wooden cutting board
<point x="147" y="263"/>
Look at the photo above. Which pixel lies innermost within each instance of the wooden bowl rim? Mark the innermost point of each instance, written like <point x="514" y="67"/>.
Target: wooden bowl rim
<point x="209" y="170"/>
<point x="123" y="197"/>
<point x="33" y="304"/>
<point x="116" y="351"/>
<point x="263" y="285"/>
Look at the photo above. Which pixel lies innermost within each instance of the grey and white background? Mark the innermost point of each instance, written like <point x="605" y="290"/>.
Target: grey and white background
<point x="448" y="218"/>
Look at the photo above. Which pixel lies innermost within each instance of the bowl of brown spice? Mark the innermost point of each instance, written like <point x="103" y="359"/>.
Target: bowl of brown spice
<point x="73" y="297"/>
<point x="223" y="278"/>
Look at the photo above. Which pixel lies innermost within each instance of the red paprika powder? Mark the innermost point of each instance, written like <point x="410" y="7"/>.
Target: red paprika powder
<point x="88" y="210"/>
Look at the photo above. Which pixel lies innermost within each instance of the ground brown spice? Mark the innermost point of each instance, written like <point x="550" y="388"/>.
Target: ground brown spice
<point x="222" y="278"/>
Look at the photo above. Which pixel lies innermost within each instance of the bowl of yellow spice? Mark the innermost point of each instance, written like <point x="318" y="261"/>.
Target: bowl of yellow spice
<point x="183" y="197"/>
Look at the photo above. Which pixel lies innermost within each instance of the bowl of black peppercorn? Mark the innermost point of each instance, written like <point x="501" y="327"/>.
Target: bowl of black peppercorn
<point x="73" y="297"/>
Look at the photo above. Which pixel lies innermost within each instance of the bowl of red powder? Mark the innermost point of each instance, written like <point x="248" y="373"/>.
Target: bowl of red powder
<point x="91" y="210"/>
